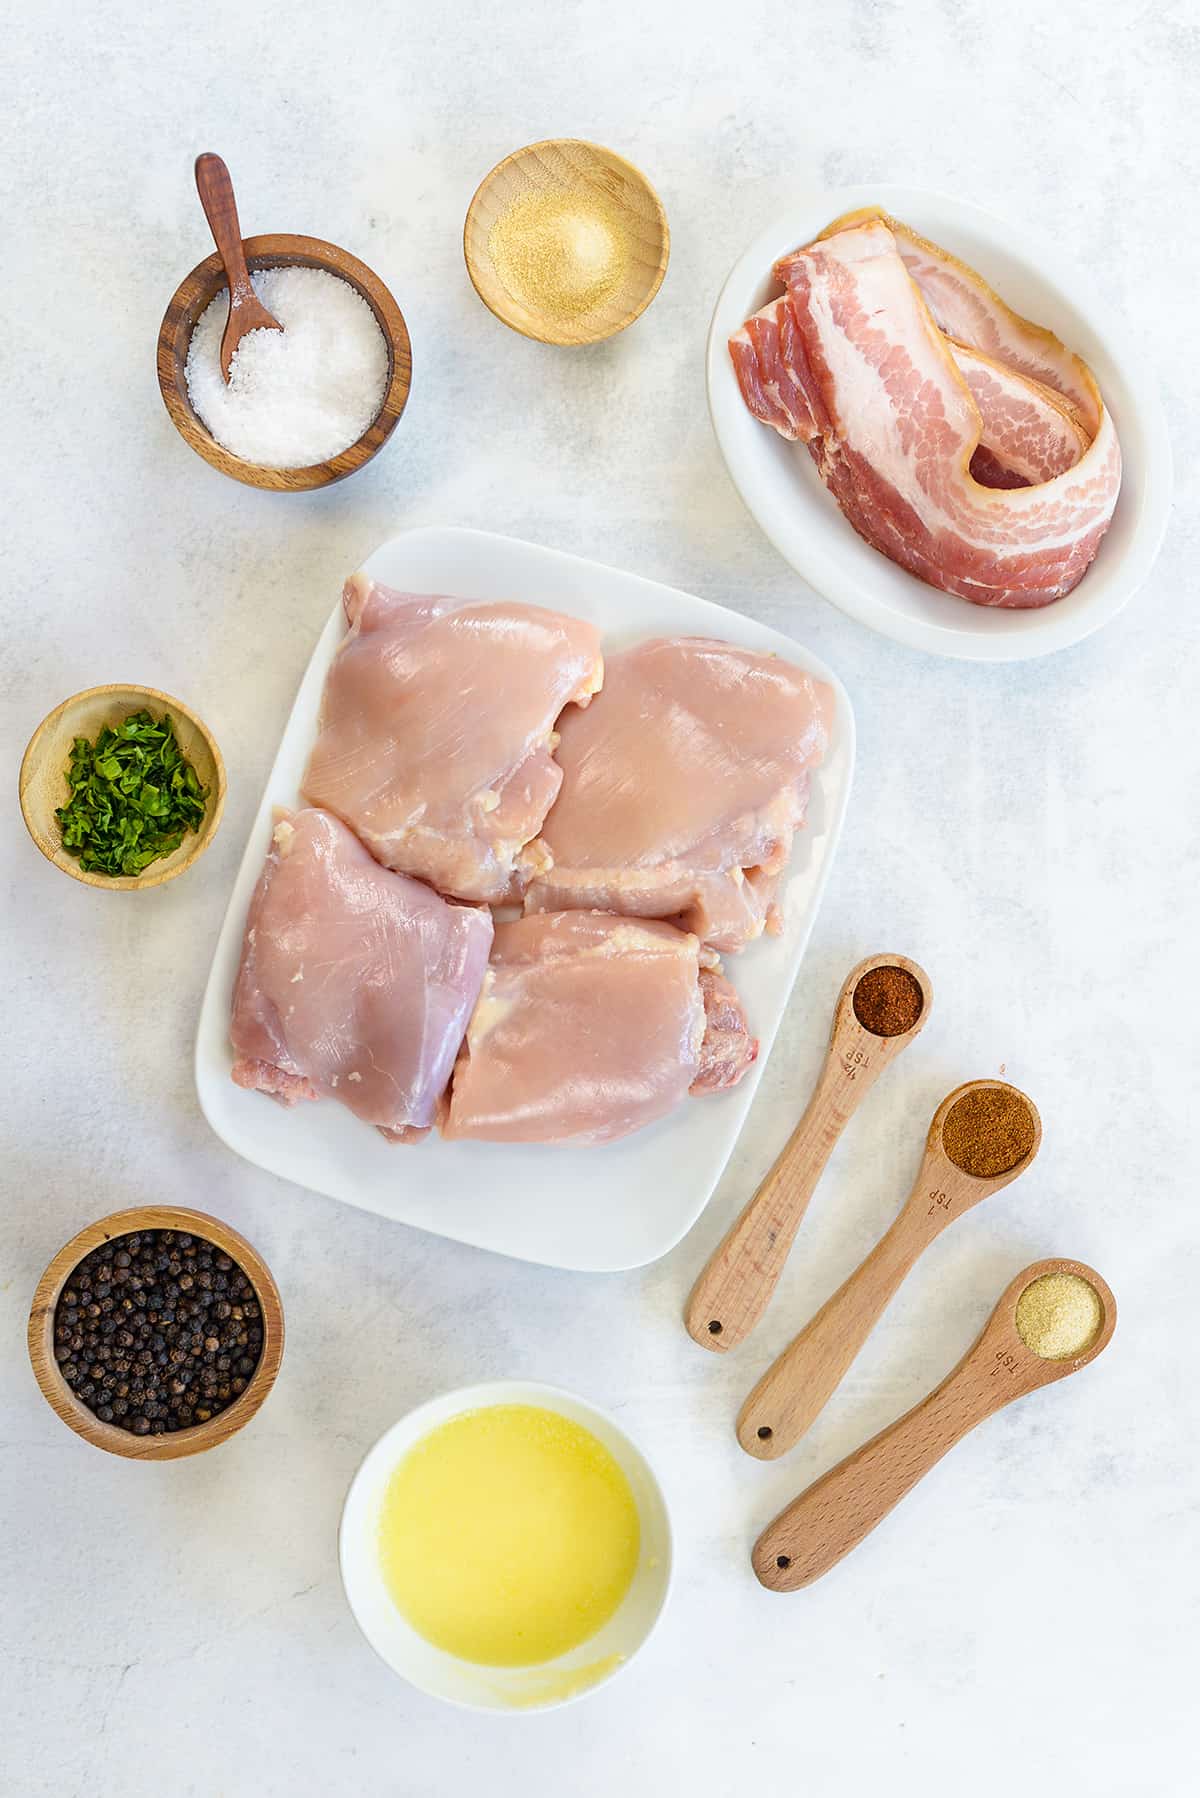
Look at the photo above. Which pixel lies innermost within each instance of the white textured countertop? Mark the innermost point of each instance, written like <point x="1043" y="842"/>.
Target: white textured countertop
<point x="1025" y="1621"/>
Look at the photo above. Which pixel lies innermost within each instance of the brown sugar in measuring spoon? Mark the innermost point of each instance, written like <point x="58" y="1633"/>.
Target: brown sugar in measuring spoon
<point x="1013" y="1356"/>
<point x="882" y="1006"/>
<point x="983" y="1136"/>
<point x="246" y="311"/>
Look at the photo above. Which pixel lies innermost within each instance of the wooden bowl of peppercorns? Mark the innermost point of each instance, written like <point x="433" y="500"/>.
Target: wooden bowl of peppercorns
<point x="156" y="1332"/>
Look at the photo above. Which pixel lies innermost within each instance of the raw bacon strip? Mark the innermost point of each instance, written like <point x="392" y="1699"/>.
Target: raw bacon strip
<point x="893" y="425"/>
<point x="1028" y="432"/>
<point x="967" y="309"/>
<point x="990" y="471"/>
<point x="766" y="352"/>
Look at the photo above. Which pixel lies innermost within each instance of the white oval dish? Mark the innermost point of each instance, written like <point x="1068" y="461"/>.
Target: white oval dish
<point x="552" y="1683"/>
<point x="783" y="492"/>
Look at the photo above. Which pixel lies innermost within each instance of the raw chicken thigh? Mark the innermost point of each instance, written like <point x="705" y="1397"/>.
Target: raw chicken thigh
<point x="683" y="786"/>
<point x="355" y="983"/>
<point x="590" y="1026"/>
<point x="437" y="731"/>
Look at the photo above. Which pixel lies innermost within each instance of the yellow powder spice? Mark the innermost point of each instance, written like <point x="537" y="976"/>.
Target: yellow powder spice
<point x="560" y="252"/>
<point x="1059" y="1316"/>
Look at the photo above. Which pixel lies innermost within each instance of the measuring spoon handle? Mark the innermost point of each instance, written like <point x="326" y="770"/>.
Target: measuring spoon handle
<point x="841" y="1508"/>
<point x="799" y="1382"/>
<point x="796" y="1387"/>
<point x="214" y="184"/>
<point x="844" y="1505"/>
<point x="740" y="1276"/>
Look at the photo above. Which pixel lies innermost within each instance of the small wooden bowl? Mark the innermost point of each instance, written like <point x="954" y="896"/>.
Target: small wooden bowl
<point x="44" y="786"/>
<point x="74" y="1412"/>
<point x="570" y="166"/>
<point x="206" y="280"/>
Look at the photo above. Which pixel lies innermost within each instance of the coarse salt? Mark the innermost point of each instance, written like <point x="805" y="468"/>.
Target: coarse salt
<point x="296" y="396"/>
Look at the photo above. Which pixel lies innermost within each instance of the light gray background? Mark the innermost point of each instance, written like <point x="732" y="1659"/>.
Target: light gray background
<point x="1027" y="832"/>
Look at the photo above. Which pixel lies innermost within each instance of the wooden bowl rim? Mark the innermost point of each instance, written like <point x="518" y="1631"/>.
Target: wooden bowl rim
<point x="75" y="1413"/>
<point x="560" y="340"/>
<point x="153" y="876"/>
<point x="201" y="285"/>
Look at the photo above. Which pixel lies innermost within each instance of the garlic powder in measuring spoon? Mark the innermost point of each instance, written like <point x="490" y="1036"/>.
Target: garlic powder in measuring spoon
<point x="296" y="396"/>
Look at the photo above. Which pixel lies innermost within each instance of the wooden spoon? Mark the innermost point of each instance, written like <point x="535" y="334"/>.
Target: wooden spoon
<point x="246" y="310"/>
<point x="844" y="1505"/>
<point x="736" y="1285"/>
<point x="798" y="1384"/>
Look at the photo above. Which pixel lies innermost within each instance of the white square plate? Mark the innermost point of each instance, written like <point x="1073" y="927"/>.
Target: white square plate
<point x="783" y="491"/>
<point x="595" y="1209"/>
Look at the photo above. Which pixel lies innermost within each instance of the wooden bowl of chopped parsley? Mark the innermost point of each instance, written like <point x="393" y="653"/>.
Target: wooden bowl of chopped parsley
<point x="122" y="787"/>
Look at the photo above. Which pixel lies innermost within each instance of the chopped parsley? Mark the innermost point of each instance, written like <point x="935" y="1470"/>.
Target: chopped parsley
<point x="134" y="797"/>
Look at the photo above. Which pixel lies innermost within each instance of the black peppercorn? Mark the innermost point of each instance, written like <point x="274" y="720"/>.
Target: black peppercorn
<point x="145" y="1359"/>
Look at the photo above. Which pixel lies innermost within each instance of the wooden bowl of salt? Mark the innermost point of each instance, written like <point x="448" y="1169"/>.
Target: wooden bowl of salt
<point x="191" y="300"/>
<point x="566" y="242"/>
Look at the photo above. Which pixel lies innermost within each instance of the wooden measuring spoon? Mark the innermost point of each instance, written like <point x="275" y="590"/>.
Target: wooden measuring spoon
<point x="736" y="1285"/>
<point x="801" y="1380"/>
<point x="246" y="310"/>
<point x="844" y="1505"/>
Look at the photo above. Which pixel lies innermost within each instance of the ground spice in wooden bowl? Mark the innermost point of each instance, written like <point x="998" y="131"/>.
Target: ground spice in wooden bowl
<point x="566" y="242"/>
<point x="888" y="1001"/>
<point x="989" y="1131"/>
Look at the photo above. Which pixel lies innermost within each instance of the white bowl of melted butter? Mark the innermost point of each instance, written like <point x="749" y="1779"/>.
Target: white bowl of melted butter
<point x="506" y="1547"/>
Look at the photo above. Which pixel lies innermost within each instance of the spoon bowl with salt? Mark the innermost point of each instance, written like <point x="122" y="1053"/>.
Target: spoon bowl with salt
<point x="308" y="404"/>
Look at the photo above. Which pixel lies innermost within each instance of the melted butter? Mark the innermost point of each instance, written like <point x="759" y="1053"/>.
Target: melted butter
<point x="509" y="1536"/>
<point x="566" y="1684"/>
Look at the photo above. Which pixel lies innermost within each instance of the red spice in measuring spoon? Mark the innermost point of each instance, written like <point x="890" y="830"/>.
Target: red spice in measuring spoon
<point x="888" y="1001"/>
